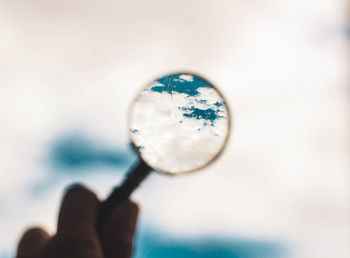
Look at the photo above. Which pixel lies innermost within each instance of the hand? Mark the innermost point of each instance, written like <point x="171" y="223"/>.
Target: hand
<point x="76" y="235"/>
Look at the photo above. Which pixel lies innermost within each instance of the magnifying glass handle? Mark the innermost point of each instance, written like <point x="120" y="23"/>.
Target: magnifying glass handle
<point x="135" y="176"/>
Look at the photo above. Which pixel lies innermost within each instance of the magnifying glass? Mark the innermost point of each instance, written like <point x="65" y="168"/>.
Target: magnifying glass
<point x="179" y="123"/>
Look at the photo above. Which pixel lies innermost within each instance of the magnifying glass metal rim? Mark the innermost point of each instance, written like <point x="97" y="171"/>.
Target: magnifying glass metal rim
<point x="210" y="161"/>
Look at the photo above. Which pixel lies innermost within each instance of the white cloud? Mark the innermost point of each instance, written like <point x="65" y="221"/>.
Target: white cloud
<point x="186" y="77"/>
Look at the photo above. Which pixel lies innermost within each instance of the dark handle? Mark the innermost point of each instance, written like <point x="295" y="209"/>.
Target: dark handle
<point x="121" y="193"/>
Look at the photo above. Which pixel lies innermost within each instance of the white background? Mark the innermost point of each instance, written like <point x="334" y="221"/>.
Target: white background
<point x="76" y="65"/>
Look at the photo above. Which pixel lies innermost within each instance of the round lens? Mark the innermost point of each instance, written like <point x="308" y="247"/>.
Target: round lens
<point x="179" y="123"/>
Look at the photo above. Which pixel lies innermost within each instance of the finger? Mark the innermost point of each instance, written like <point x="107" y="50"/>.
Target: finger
<point x="32" y="242"/>
<point x="78" y="213"/>
<point x="119" y="231"/>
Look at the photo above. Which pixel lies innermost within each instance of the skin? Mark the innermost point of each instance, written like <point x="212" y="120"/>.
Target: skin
<point x="76" y="235"/>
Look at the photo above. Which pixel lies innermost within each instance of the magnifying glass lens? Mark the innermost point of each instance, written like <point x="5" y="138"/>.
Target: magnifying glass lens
<point x="179" y="123"/>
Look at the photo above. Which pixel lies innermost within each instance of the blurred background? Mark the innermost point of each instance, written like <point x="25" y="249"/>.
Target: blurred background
<point x="69" y="70"/>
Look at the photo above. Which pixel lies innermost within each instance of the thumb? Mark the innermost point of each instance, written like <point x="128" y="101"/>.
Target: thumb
<point x="32" y="242"/>
<point x="118" y="234"/>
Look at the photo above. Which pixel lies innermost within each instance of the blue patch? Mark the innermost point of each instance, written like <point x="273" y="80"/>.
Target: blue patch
<point x="173" y="83"/>
<point x="202" y="101"/>
<point x="74" y="156"/>
<point x="150" y="244"/>
<point x="134" y="131"/>
<point x="76" y="152"/>
<point x="205" y="114"/>
<point x="219" y="104"/>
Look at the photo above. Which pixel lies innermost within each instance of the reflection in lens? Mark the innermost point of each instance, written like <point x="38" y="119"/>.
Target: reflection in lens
<point x="179" y="123"/>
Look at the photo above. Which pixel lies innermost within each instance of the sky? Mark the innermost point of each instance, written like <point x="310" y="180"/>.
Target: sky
<point x="69" y="71"/>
